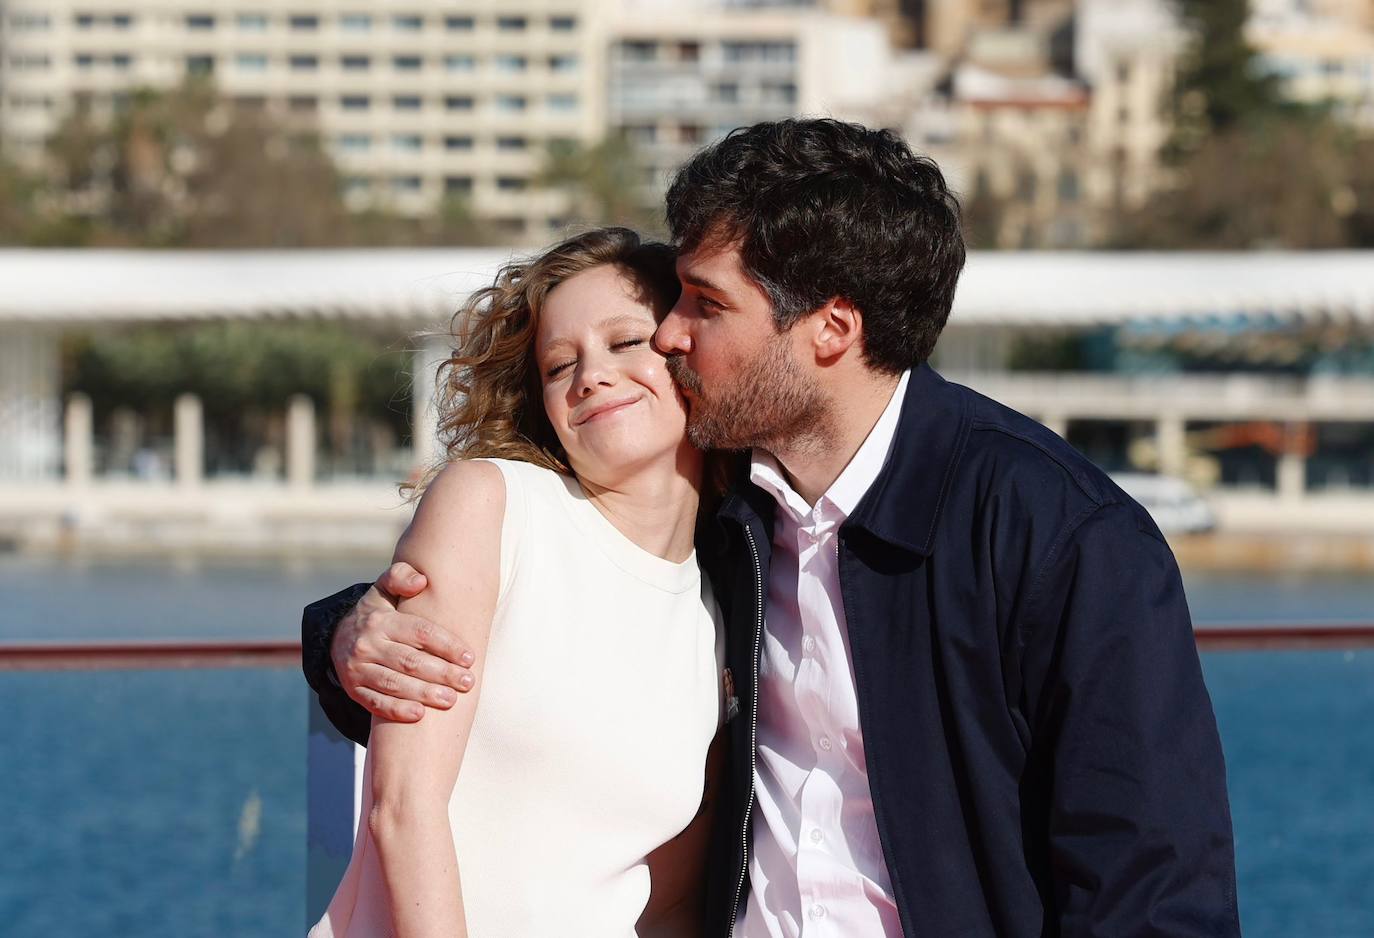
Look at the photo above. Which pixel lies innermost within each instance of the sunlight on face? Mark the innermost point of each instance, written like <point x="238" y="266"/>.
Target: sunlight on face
<point x="607" y="391"/>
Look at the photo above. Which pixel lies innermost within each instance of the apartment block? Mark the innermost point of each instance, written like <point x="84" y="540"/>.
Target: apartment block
<point x="679" y="78"/>
<point x="416" y="100"/>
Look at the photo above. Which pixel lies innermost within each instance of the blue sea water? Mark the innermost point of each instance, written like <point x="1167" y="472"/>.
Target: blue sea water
<point x="152" y="803"/>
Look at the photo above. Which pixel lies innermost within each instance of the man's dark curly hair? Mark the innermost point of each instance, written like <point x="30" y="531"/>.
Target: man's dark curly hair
<point x="821" y="209"/>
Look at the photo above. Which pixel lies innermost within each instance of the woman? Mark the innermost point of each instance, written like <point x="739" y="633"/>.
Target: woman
<point x="549" y="801"/>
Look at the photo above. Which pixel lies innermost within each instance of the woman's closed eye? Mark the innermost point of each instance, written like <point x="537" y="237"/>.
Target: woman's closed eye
<point x="557" y="368"/>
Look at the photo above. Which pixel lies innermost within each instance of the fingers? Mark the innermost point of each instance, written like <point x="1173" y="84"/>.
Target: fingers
<point x="401" y="579"/>
<point x="423" y="634"/>
<point x="394" y="684"/>
<point x="388" y="708"/>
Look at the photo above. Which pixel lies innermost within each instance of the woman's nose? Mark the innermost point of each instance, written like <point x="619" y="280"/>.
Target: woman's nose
<point x="593" y="373"/>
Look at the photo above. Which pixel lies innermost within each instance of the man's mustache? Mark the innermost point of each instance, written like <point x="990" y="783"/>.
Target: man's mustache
<point x="686" y="378"/>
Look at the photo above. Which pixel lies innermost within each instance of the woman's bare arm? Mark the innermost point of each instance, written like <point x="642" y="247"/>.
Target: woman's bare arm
<point x="454" y="541"/>
<point x="677" y="870"/>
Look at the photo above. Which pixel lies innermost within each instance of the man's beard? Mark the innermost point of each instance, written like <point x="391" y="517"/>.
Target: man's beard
<point x="769" y="403"/>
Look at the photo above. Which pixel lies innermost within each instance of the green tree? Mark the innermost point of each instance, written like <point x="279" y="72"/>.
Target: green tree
<point x="1245" y="167"/>
<point x="603" y="181"/>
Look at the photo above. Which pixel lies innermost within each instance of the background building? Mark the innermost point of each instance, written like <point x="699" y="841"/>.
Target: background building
<point x="415" y="101"/>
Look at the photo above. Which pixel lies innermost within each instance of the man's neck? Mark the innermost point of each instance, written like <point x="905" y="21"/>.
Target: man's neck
<point x="814" y="462"/>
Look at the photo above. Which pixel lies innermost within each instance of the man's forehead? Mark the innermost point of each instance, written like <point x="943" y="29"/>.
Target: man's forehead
<point x="715" y="258"/>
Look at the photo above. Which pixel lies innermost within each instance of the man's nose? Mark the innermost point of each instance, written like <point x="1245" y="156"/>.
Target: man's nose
<point x="672" y="337"/>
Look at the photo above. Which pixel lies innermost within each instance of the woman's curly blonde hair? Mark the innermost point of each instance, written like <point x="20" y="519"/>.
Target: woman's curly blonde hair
<point x="488" y="393"/>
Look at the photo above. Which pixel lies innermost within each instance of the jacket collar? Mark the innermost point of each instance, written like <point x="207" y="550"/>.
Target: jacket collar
<point x="903" y="505"/>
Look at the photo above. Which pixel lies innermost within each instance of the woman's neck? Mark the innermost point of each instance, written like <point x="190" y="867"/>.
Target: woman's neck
<point x="655" y="506"/>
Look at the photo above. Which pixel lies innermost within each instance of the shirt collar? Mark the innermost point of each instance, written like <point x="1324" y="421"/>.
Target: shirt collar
<point x="847" y="490"/>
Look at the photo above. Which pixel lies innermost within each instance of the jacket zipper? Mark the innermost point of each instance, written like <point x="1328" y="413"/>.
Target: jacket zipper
<point x="753" y="729"/>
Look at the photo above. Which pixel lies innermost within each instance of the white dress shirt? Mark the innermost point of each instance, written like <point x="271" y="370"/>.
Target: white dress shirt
<point x="815" y="866"/>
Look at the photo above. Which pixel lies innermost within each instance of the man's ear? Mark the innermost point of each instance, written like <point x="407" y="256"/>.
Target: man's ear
<point x="839" y="327"/>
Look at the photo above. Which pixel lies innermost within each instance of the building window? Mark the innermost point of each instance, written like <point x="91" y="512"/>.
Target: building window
<point x="457" y="185"/>
<point x="30" y="61"/>
<point x="410" y="143"/>
<point x="356" y="185"/>
<point x="407" y="22"/>
<point x="512" y="183"/>
<point x="405" y="183"/>
<point x="355" y="102"/>
<point x="562" y="24"/>
<point x="727" y="92"/>
<point x="121" y="21"/>
<point x="638" y="50"/>
<point x="83" y="20"/>
<point x="781" y="92"/>
<point x="406" y="102"/>
<point x="1025" y="186"/>
<point x="511" y="143"/>
<point x="460" y="63"/>
<point x="509" y="63"/>
<point x="304" y="63"/>
<point x="355" y="22"/>
<point x="122" y="61"/>
<point x="250" y="103"/>
<point x="458" y="103"/>
<point x="563" y="63"/>
<point x="511" y="24"/>
<point x="688" y="51"/>
<point x="200" y="64"/>
<point x="355" y="143"/>
<point x="562" y="102"/>
<point x="459" y="24"/>
<point x="406" y="63"/>
<point x="355" y="63"/>
<point x="250" y="62"/>
<point x="458" y="143"/>
<point x="251" y="22"/>
<point x="200" y="21"/>
<point x="30" y="22"/>
<point x="304" y="22"/>
<point x="1068" y="186"/>
<point x="84" y="60"/>
<point x="510" y="102"/>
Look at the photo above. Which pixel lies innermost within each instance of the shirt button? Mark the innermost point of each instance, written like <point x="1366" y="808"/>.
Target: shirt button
<point x="809" y="645"/>
<point x="817" y="911"/>
<point x="824" y="743"/>
<point x="816" y="835"/>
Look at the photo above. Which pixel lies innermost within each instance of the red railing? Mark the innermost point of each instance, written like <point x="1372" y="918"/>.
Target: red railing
<point x="99" y="656"/>
<point x="75" y="656"/>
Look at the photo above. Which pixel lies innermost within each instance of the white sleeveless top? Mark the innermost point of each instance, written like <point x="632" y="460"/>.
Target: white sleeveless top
<point x="600" y="697"/>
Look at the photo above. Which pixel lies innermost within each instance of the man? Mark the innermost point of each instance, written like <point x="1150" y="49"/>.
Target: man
<point x="969" y="697"/>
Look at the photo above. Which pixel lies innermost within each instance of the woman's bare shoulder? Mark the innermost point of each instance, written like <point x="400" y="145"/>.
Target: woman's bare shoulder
<point x="462" y="507"/>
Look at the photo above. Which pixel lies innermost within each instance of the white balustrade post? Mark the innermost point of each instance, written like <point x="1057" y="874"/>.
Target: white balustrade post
<point x="1057" y="423"/>
<point x="77" y="444"/>
<point x="423" y="428"/>
<point x="1291" y="480"/>
<point x="189" y="430"/>
<point x="1171" y="439"/>
<point x="300" y="442"/>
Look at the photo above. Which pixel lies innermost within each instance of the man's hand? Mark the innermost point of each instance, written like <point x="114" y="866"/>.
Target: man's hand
<point x="393" y="663"/>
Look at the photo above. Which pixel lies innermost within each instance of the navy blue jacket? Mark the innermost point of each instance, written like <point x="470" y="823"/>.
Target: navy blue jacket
<point x="1041" y="749"/>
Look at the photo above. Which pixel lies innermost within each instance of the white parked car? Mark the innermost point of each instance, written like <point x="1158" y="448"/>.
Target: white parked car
<point x="1173" y="503"/>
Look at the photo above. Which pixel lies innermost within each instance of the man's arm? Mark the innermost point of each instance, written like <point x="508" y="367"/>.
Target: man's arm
<point x="361" y="656"/>
<point x="318" y="623"/>
<point x="1138" y="822"/>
